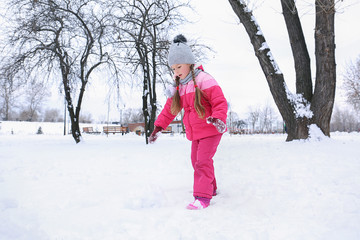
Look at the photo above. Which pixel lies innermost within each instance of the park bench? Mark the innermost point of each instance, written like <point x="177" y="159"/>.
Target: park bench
<point x="114" y="129"/>
<point x="167" y="130"/>
<point x="90" y="130"/>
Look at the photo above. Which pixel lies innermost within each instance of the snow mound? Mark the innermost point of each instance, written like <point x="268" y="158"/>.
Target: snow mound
<point x="315" y="133"/>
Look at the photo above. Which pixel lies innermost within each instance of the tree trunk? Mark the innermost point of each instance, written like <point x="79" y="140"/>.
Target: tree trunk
<point x="324" y="94"/>
<point x="272" y="72"/>
<point x="65" y="70"/>
<point x="298" y="126"/>
<point x="145" y="95"/>
<point x="323" y="98"/>
<point x="152" y="85"/>
<point x="146" y="115"/>
<point x="75" y="128"/>
<point x="299" y="49"/>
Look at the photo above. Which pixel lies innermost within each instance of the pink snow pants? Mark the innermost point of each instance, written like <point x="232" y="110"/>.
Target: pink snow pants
<point x="202" y="152"/>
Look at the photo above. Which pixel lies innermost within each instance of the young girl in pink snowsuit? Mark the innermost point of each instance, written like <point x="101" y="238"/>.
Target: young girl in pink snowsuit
<point x="205" y="113"/>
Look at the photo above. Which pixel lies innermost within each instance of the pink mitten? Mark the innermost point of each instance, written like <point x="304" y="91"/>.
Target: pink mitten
<point x="155" y="134"/>
<point x="220" y="125"/>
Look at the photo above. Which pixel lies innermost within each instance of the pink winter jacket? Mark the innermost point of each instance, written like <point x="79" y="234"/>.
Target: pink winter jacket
<point x="213" y="100"/>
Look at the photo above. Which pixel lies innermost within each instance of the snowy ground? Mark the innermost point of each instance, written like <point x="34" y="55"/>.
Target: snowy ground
<point x="117" y="187"/>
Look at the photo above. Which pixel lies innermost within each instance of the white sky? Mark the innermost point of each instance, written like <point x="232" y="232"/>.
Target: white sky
<point x="234" y="65"/>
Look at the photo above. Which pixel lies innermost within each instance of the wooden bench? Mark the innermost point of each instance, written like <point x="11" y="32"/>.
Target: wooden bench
<point x="114" y="129"/>
<point x="167" y="130"/>
<point x="90" y="130"/>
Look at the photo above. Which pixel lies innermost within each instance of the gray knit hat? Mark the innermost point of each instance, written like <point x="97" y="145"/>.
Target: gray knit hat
<point x="180" y="52"/>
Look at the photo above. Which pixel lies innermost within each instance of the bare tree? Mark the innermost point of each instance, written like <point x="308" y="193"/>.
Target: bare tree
<point x="135" y="116"/>
<point x="70" y="39"/>
<point x="26" y="114"/>
<point x="86" y="118"/>
<point x="240" y="125"/>
<point x="53" y="115"/>
<point x="352" y="84"/>
<point x="132" y="115"/>
<point x="234" y="123"/>
<point x="253" y="116"/>
<point x="231" y="120"/>
<point x="262" y="118"/>
<point x="9" y="93"/>
<point x="267" y="118"/>
<point x="344" y="120"/>
<point x="145" y="26"/>
<point x="305" y="107"/>
<point x="35" y="94"/>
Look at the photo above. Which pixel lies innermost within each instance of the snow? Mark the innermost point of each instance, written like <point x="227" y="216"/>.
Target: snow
<point x="301" y="105"/>
<point x="315" y="133"/>
<point x="117" y="187"/>
<point x="246" y="9"/>
<point x="264" y="45"/>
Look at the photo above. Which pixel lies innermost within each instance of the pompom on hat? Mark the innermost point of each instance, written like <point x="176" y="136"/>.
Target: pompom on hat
<point x="180" y="52"/>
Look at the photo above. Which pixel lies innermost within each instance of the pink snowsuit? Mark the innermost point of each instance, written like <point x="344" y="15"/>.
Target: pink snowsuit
<point x="205" y="138"/>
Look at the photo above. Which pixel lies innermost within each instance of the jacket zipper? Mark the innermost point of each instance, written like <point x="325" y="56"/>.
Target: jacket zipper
<point x="190" y="128"/>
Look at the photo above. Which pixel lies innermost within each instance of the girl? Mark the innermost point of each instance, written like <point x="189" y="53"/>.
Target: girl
<point x="205" y="113"/>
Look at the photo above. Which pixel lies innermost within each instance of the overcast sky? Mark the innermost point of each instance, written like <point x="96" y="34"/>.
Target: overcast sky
<point x="234" y="64"/>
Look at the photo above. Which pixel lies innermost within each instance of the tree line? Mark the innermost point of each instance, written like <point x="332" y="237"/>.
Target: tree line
<point x="266" y="119"/>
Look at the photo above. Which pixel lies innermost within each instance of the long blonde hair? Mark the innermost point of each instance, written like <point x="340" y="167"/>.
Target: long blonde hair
<point x="176" y="103"/>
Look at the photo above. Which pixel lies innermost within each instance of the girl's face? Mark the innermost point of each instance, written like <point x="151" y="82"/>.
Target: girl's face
<point x="181" y="70"/>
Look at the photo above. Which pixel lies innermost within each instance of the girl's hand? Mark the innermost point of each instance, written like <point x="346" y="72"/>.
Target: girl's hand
<point x="220" y="125"/>
<point x="155" y="134"/>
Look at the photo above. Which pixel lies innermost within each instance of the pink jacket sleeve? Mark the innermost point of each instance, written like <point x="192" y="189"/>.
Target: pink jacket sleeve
<point x="218" y="102"/>
<point x="165" y="117"/>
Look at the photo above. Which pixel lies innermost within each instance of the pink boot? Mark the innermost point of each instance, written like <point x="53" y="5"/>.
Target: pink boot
<point x="199" y="203"/>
